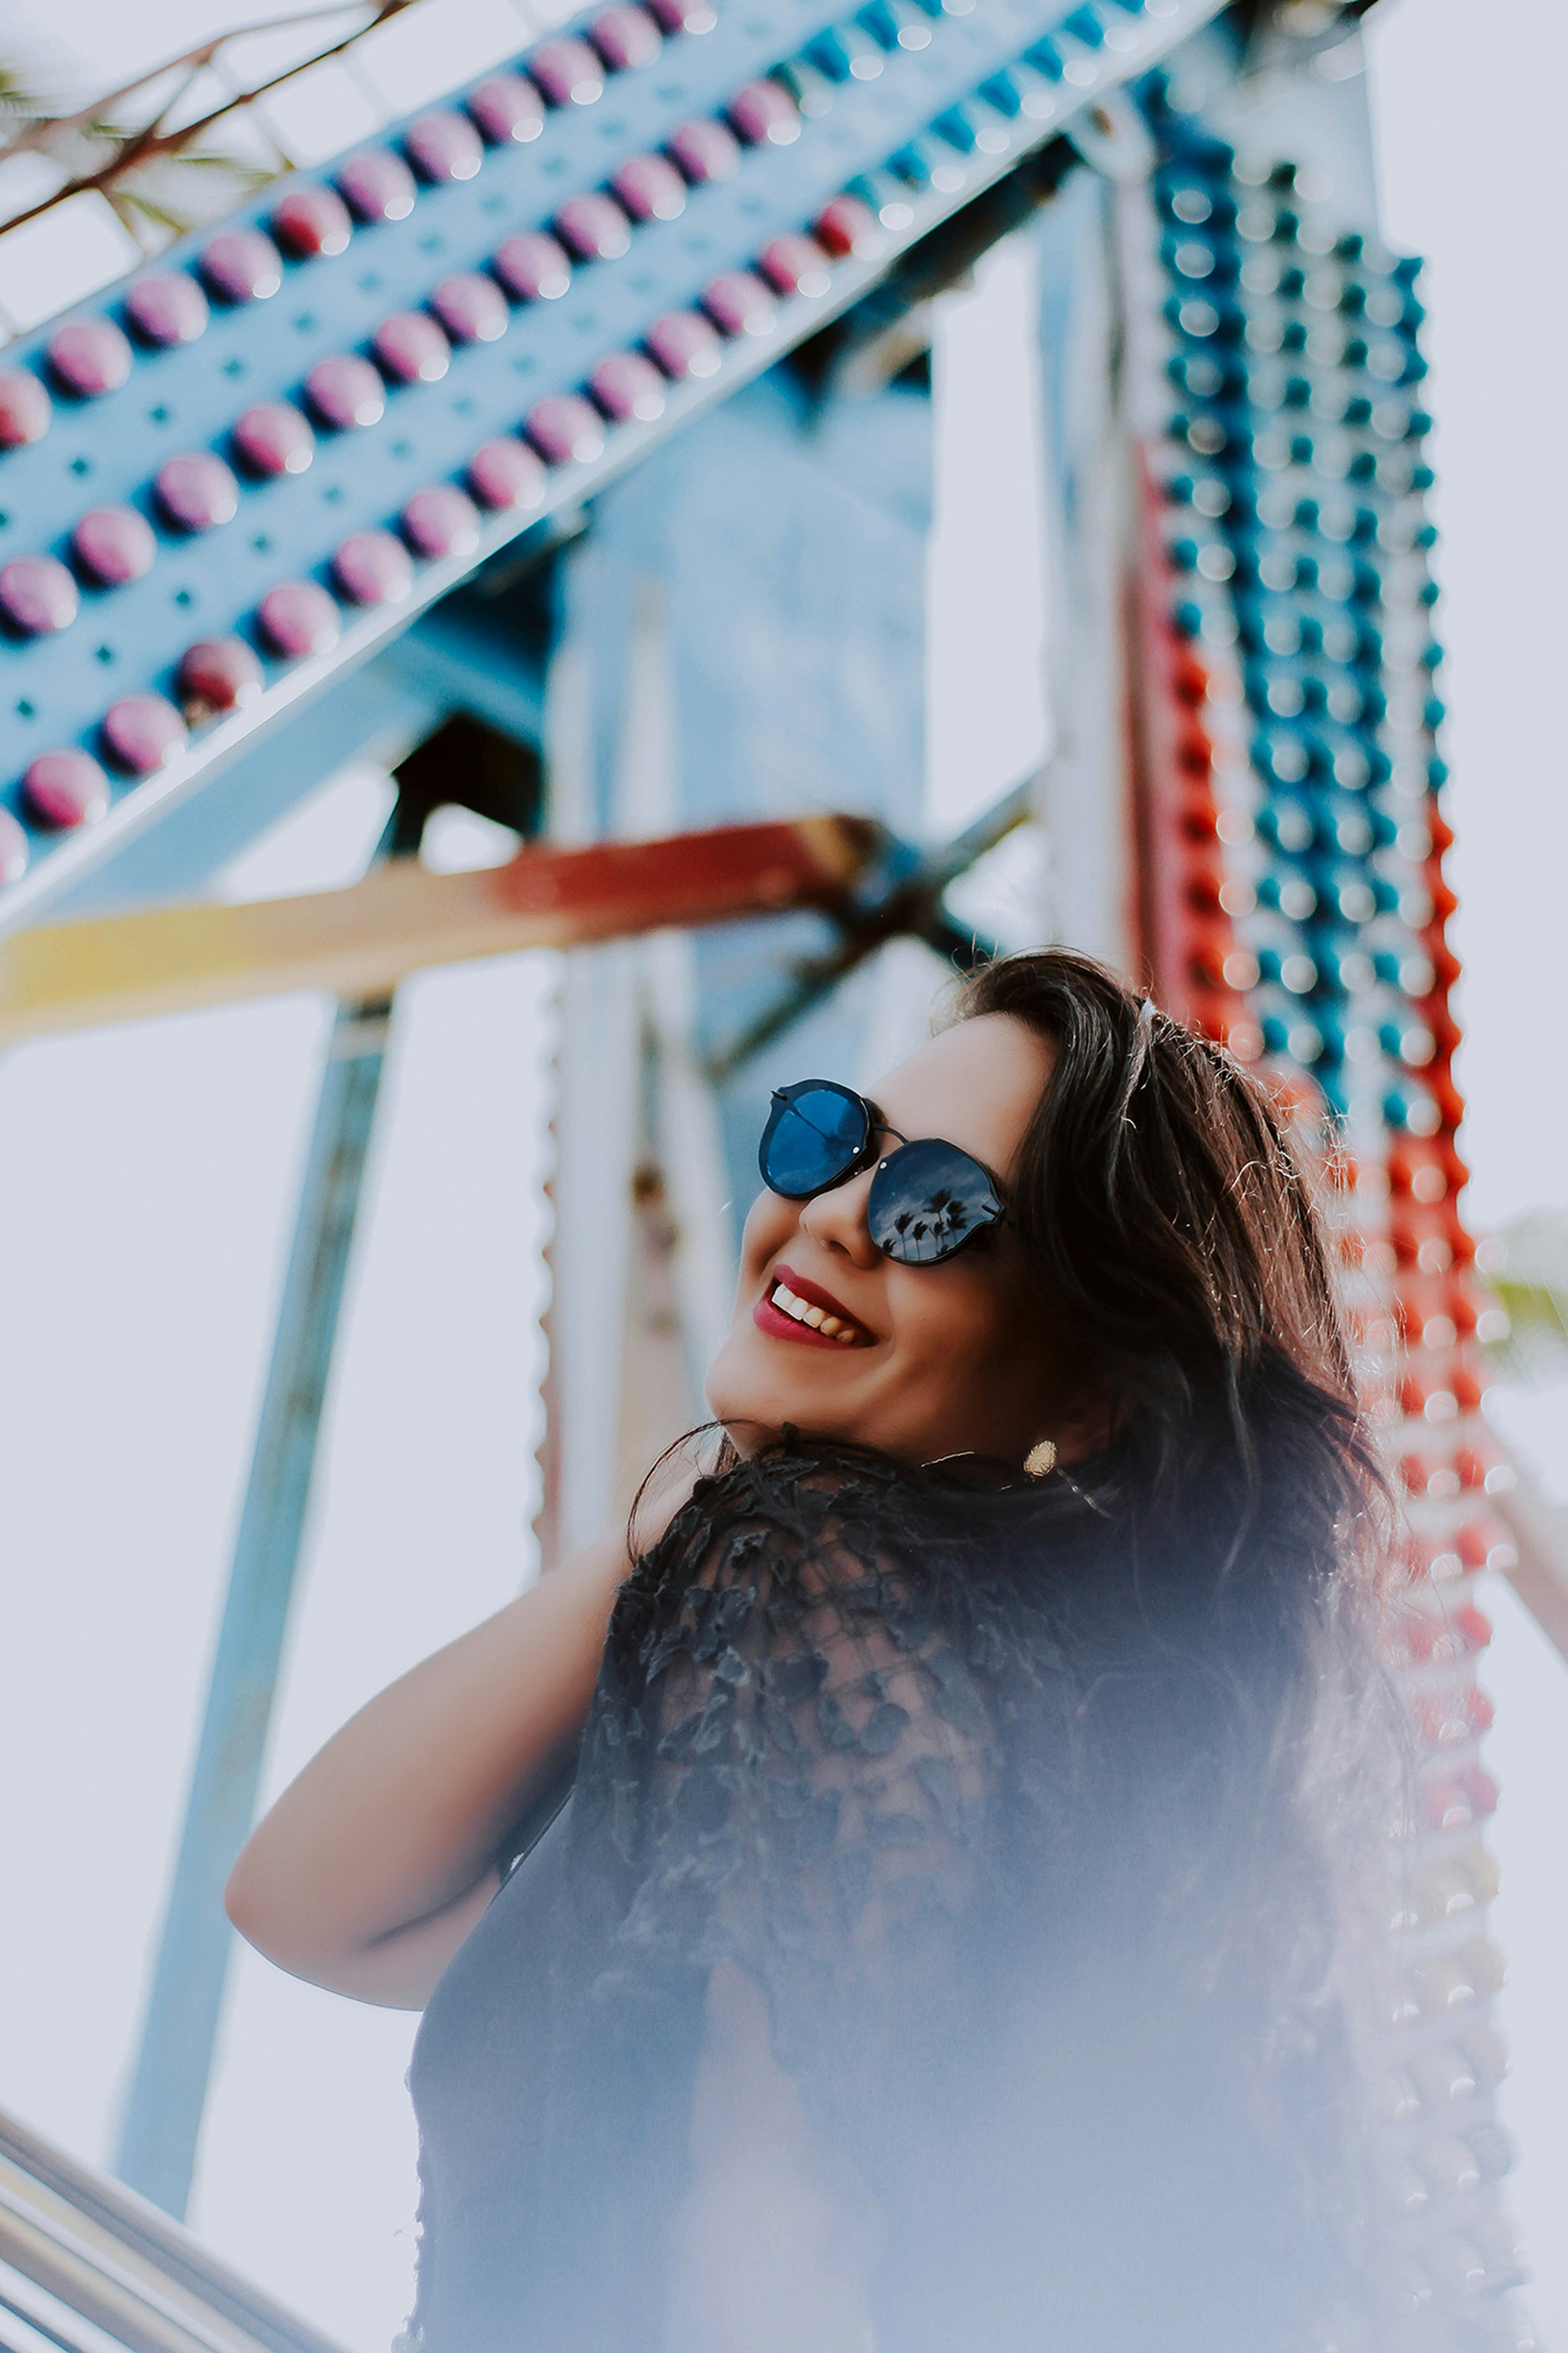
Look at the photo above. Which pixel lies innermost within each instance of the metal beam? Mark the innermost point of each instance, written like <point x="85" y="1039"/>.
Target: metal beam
<point x="168" y="2092"/>
<point x="947" y="122"/>
<point x="75" y="2244"/>
<point x="363" y="940"/>
<point x="462" y="761"/>
<point x="374" y="715"/>
<point x="908" y="906"/>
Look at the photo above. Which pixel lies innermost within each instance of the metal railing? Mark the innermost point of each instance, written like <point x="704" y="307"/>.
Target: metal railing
<point x="86" y="2266"/>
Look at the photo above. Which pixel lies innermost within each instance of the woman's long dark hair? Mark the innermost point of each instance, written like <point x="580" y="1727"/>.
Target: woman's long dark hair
<point x="1168" y="1222"/>
<point x="1168" y="1218"/>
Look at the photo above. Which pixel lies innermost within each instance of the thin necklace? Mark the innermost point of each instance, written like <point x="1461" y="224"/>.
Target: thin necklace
<point x="969" y="1454"/>
<point x="1079" y="1492"/>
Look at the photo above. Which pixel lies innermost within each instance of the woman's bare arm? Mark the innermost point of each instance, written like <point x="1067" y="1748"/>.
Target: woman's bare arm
<point x="373" y="1865"/>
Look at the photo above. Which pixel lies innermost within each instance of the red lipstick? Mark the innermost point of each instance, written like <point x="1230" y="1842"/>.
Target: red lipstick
<point x="779" y="1324"/>
<point x="814" y="1294"/>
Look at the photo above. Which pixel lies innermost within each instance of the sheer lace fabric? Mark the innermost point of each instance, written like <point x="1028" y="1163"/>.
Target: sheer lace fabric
<point x="815" y="1760"/>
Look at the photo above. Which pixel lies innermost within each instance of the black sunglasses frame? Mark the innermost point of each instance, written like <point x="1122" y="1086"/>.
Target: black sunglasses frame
<point x="988" y="1210"/>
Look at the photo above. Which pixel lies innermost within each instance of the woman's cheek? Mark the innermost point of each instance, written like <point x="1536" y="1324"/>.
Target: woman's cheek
<point x="770" y="1222"/>
<point x="940" y="1329"/>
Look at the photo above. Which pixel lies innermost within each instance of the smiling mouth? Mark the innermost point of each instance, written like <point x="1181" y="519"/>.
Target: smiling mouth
<point x="806" y="1313"/>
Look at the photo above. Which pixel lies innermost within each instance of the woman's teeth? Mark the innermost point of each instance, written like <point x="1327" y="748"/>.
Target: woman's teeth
<point x="831" y="1327"/>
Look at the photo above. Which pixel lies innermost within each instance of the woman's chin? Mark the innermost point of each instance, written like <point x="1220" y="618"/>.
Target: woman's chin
<point x="753" y="1400"/>
<point x="750" y="1418"/>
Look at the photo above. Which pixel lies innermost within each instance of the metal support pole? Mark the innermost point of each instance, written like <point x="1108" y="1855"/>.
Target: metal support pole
<point x="168" y="2093"/>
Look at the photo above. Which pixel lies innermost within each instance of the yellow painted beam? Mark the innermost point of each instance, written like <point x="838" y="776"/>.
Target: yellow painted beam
<point x="360" y="941"/>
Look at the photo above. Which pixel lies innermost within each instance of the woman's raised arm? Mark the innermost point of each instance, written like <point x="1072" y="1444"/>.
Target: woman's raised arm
<point x="373" y="1865"/>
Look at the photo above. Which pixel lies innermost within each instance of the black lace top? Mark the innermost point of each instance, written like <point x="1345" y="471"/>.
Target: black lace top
<point x="921" y="1754"/>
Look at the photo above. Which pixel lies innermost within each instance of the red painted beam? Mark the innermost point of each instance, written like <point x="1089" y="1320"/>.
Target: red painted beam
<point x="360" y="941"/>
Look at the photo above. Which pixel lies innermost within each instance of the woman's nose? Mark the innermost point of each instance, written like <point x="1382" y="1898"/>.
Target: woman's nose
<point x="837" y="1220"/>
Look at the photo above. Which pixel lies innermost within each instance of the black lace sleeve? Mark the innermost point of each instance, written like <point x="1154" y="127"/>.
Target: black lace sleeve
<point x="799" y="1760"/>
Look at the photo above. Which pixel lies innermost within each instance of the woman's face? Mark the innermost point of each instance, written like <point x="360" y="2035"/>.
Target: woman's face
<point x="945" y="1359"/>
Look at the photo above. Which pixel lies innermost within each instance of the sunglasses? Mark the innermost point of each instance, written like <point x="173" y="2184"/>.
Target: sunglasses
<point x="927" y="1200"/>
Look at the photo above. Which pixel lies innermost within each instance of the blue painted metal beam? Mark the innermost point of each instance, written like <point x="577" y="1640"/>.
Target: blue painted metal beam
<point x="473" y="652"/>
<point x="168" y="2091"/>
<point x="378" y="713"/>
<point x="944" y="115"/>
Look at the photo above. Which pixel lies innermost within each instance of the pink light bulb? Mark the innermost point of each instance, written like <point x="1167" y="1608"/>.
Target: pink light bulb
<point x="441" y="521"/>
<point x="313" y="221"/>
<point x="472" y="308"/>
<point x="444" y="146"/>
<point x="684" y="344"/>
<point x="532" y="267"/>
<point x="64" y="789"/>
<point x="346" y="391"/>
<point x="564" y="427"/>
<point x="274" y="438"/>
<point x="373" y="568"/>
<point x="508" y="109"/>
<point x="37" y="596"/>
<point x="216" y="675"/>
<point x="168" y="309"/>
<point x="115" y="544"/>
<point x="89" y="356"/>
<point x="142" y="733"/>
<point x="567" y="72"/>
<point x="242" y="265"/>
<point x="298" y="618"/>
<point x="411" y="347"/>
<point x="24" y="409"/>
<point x="378" y="185"/>
<point x="196" y="490"/>
<point x="506" y="474"/>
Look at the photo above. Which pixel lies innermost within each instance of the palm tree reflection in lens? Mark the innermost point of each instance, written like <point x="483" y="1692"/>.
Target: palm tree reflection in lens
<point x="944" y="1219"/>
<point x="919" y="1212"/>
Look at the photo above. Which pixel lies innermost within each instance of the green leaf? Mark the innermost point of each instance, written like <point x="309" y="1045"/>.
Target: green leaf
<point x="1526" y="1266"/>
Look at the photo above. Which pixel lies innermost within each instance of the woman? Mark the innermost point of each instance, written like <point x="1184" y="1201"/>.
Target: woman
<point x="941" y="1945"/>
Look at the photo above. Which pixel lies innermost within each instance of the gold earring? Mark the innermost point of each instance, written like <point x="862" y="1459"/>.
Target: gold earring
<point x="1041" y="1460"/>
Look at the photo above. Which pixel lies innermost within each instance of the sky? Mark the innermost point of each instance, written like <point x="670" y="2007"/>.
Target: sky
<point x="151" y="1171"/>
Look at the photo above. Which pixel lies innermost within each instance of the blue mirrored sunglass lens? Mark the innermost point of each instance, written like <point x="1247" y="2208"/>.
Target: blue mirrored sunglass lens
<point x="815" y="1136"/>
<point x="927" y="1201"/>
